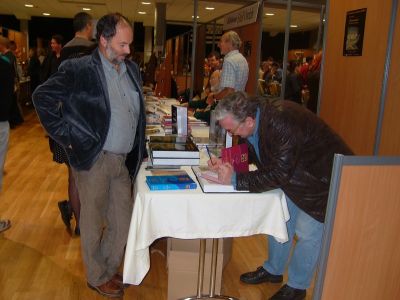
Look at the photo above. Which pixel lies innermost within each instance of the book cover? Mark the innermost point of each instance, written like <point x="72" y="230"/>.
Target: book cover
<point x="174" y="150"/>
<point x="169" y="139"/>
<point x="179" y="120"/>
<point x="237" y="156"/>
<point x="170" y="182"/>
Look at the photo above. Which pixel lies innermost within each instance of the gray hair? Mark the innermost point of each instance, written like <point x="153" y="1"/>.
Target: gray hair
<point x="239" y="105"/>
<point x="234" y="38"/>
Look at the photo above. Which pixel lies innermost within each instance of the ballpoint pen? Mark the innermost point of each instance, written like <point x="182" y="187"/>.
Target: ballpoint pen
<point x="208" y="151"/>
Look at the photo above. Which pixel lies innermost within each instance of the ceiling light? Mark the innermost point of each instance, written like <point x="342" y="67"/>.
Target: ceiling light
<point x="86" y="8"/>
<point x="197" y="17"/>
<point x="323" y="20"/>
<point x="270" y="14"/>
<point x="28" y="5"/>
<point x="141" y="12"/>
<point x="294" y="26"/>
<point x="210" y="8"/>
<point x="45" y="14"/>
<point x="146" y="3"/>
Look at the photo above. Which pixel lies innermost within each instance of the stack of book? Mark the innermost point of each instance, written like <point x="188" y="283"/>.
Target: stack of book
<point x="173" y="150"/>
<point x="166" y="124"/>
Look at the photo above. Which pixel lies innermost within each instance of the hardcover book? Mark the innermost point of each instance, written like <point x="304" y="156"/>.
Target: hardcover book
<point x="237" y="156"/>
<point x="170" y="182"/>
<point x="157" y="161"/>
<point x="169" y="139"/>
<point x="209" y="182"/>
<point x="174" y="150"/>
<point x="179" y="120"/>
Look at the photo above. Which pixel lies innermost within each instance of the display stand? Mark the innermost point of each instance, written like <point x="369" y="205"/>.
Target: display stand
<point x="200" y="274"/>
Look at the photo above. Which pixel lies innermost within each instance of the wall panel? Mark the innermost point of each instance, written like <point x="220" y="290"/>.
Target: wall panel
<point x="352" y="85"/>
<point x="364" y="259"/>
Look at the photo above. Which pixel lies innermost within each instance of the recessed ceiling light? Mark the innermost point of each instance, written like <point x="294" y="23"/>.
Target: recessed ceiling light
<point x="294" y="26"/>
<point x="146" y="3"/>
<point x="196" y="17"/>
<point x="141" y="12"/>
<point x="45" y="14"/>
<point x="86" y="8"/>
<point x="210" y="8"/>
<point x="270" y="14"/>
<point x="28" y="5"/>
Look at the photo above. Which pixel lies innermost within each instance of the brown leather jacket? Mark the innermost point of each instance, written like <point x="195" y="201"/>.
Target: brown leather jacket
<point x="296" y="155"/>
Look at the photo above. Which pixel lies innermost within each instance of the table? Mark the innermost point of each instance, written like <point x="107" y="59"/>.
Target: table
<point x="192" y="214"/>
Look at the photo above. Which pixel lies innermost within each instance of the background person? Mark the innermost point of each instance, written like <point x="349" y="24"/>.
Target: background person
<point x="235" y="69"/>
<point x="79" y="46"/>
<point x="293" y="150"/>
<point x="6" y="98"/>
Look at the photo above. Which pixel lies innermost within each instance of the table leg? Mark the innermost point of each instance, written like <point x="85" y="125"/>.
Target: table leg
<point x="200" y="273"/>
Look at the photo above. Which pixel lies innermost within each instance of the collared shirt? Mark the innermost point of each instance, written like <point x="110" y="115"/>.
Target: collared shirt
<point x="255" y="138"/>
<point x="125" y="106"/>
<point x="235" y="71"/>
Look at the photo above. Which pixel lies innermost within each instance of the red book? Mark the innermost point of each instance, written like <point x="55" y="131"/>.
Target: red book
<point x="237" y="156"/>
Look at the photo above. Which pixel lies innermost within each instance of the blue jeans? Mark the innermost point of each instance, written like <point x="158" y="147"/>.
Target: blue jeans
<point x="305" y="253"/>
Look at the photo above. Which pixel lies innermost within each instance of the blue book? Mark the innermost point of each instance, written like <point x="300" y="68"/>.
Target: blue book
<point x="170" y="182"/>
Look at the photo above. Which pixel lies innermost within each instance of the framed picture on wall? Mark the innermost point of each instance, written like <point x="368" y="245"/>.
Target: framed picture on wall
<point x="247" y="49"/>
<point x="354" y="32"/>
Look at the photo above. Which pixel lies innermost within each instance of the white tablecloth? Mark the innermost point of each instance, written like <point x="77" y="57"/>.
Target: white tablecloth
<point x="191" y="214"/>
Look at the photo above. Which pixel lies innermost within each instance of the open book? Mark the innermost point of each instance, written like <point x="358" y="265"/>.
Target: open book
<point x="209" y="182"/>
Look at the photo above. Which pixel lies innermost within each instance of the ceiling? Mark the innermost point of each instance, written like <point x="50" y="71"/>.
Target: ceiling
<point x="305" y="14"/>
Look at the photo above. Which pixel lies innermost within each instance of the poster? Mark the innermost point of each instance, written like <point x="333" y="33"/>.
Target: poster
<point x="354" y="32"/>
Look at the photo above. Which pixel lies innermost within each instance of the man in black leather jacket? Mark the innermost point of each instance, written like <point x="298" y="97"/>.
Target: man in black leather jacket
<point x="93" y="106"/>
<point x="293" y="150"/>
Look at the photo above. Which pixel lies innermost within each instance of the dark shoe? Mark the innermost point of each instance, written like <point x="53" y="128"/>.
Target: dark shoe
<point x="288" y="293"/>
<point x="260" y="275"/>
<point x="108" y="289"/>
<point x="4" y="225"/>
<point x="77" y="231"/>
<point x="65" y="211"/>
<point x="118" y="280"/>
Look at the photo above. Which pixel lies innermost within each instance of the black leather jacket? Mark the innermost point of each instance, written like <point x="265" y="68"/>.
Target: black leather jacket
<point x="296" y="155"/>
<point x="74" y="107"/>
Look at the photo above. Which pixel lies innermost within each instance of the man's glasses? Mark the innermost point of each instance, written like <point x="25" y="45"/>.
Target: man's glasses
<point x="233" y="131"/>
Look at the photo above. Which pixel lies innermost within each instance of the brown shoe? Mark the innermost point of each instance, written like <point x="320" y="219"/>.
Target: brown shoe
<point x="119" y="280"/>
<point x="108" y="289"/>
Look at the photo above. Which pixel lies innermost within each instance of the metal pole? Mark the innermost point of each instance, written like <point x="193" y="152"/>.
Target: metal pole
<point x="213" y="35"/>
<point x="286" y="47"/>
<point x="200" y="272"/>
<point x="194" y="40"/>
<point x="213" y="266"/>
<point x="392" y="25"/>
<point x="321" y="24"/>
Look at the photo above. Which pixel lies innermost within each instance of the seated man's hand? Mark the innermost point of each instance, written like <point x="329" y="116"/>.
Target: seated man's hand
<point x="210" y="99"/>
<point x="214" y="163"/>
<point x="225" y="172"/>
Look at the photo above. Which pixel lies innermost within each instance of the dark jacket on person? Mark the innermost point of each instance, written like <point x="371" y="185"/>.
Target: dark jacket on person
<point x="6" y="88"/>
<point x="76" y="50"/>
<point x="74" y="108"/>
<point x="296" y="154"/>
<point x="49" y="66"/>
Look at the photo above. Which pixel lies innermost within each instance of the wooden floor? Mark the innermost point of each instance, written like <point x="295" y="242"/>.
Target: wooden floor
<point x="40" y="260"/>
